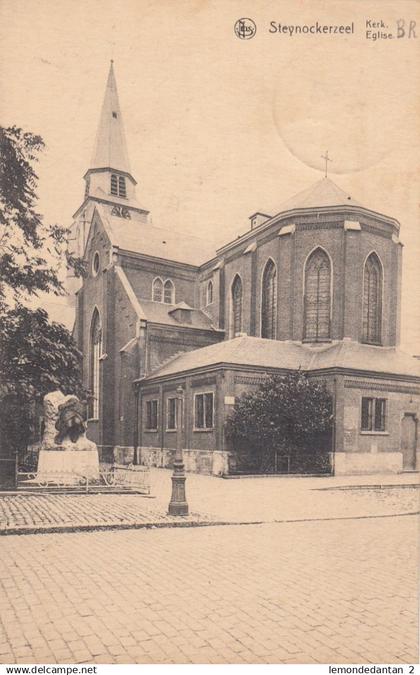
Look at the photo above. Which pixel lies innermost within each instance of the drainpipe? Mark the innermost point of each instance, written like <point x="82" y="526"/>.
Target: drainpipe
<point x="136" y="426"/>
<point x="334" y="433"/>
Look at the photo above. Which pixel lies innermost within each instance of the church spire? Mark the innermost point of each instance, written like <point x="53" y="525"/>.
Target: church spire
<point x="110" y="147"/>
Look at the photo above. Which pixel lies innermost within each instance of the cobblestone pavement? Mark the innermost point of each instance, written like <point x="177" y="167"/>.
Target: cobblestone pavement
<point x="342" y="592"/>
<point x="24" y="513"/>
<point x="214" y="500"/>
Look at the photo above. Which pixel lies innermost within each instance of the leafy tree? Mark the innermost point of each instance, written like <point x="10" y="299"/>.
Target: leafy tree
<point x="31" y="252"/>
<point x="36" y="356"/>
<point x="288" y="415"/>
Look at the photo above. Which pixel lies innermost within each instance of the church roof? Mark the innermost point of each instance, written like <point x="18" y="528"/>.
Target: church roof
<point x="147" y="239"/>
<point x="159" y="312"/>
<point x="323" y="193"/>
<point x="270" y="354"/>
<point x="110" y="146"/>
<point x="357" y="356"/>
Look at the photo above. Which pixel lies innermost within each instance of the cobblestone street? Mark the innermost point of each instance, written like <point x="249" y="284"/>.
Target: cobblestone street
<point x="272" y="499"/>
<point x="340" y="591"/>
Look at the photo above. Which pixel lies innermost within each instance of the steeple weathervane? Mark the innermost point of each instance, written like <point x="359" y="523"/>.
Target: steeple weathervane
<point x="327" y="159"/>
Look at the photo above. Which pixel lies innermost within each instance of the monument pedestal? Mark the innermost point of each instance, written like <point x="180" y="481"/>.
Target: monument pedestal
<point x="67" y="466"/>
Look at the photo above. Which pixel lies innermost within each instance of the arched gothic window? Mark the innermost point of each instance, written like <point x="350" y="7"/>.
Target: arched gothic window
<point x="209" y="297"/>
<point x="157" y="290"/>
<point x="168" y="292"/>
<point x="372" y="300"/>
<point x="269" y="301"/>
<point x="237" y="306"/>
<point x="94" y="371"/>
<point x="317" y="301"/>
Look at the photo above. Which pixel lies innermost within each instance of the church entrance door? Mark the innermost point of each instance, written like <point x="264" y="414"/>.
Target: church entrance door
<point x="409" y="441"/>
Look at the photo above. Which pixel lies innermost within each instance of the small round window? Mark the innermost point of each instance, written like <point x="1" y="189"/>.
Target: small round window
<point x="95" y="264"/>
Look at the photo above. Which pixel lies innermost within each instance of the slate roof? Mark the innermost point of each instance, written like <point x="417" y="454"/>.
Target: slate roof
<point x="262" y="353"/>
<point x="172" y="245"/>
<point x="323" y="193"/>
<point x="354" y="355"/>
<point x="169" y="244"/>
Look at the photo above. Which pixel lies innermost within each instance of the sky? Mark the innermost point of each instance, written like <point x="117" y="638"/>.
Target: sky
<point x="217" y="127"/>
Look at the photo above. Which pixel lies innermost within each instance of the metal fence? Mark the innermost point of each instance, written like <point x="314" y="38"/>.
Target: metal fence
<point x="113" y="476"/>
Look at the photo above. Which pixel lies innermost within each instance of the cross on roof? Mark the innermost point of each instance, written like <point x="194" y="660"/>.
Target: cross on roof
<point x="327" y="159"/>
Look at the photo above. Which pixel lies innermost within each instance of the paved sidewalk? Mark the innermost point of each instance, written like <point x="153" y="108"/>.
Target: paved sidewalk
<point x="279" y="498"/>
<point x="329" y="592"/>
<point x="214" y="500"/>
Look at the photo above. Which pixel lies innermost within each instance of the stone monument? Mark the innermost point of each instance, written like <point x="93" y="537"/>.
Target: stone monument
<point x="66" y="455"/>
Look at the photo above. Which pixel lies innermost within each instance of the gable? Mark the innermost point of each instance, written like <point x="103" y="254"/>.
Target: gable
<point x="97" y="241"/>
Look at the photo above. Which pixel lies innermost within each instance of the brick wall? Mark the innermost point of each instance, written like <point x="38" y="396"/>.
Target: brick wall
<point x="164" y="342"/>
<point x="401" y="398"/>
<point x="141" y="277"/>
<point x="347" y="250"/>
<point x="94" y="295"/>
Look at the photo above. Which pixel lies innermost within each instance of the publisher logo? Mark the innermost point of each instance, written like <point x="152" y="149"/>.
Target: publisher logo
<point x="245" y="29"/>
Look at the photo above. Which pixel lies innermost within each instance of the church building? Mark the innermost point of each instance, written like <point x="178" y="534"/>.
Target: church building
<point x="315" y="286"/>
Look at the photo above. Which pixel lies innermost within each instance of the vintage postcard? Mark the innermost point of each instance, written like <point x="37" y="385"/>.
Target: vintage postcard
<point x="210" y="334"/>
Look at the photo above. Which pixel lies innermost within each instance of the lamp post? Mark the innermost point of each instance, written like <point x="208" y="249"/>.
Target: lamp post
<point x="178" y="505"/>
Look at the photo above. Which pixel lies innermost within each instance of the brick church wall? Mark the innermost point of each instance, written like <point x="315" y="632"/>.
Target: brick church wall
<point x="94" y="294"/>
<point x="141" y="276"/>
<point x="347" y="250"/>
<point x="164" y="342"/>
<point x="126" y="367"/>
<point x="206" y="274"/>
<point x="239" y="265"/>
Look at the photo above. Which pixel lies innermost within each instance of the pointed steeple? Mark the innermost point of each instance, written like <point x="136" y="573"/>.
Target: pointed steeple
<point x="110" y="147"/>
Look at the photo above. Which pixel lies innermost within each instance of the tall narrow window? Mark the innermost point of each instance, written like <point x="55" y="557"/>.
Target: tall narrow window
<point x="317" y="301"/>
<point x="203" y="411"/>
<point x="209" y="298"/>
<point x="114" y="184"/>
<point x="121" y="186"/>
<point x="372" y="300"/>
<point x="171" y="414"/>
<point x="94" y="371"/>
<point x="373" y="414"/>
<point x="157" y="290"/>
<point x="269" y="302"/>
<point x="168" y="292"/>
<point x="152" y="415"/>
<point x="237" y="306"/>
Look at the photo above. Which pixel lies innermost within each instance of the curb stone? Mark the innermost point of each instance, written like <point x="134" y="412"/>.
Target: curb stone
<point x="66" y="529"/>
